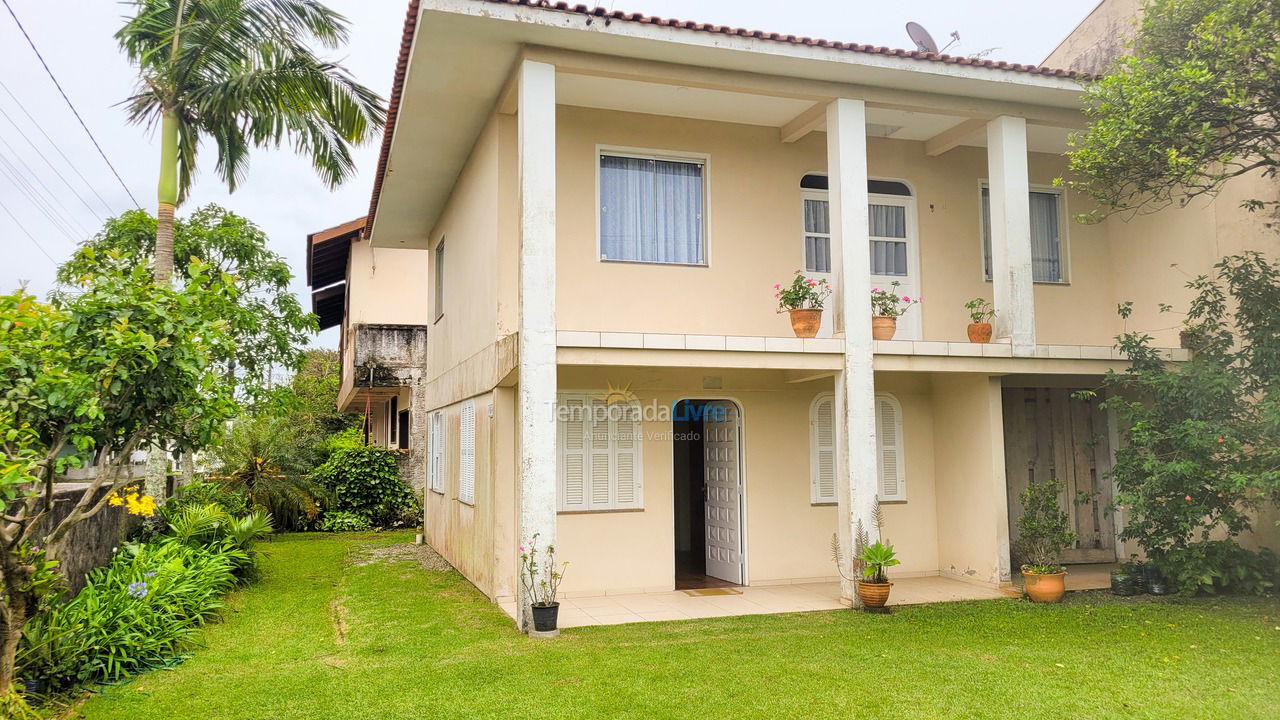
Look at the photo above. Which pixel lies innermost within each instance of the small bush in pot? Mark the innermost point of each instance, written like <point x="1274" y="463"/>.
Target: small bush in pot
<point x="541" y="581"/>
<point x="1043" y="533"/>
<point x="886" y="307"/>
<point x="803" y="300"/>
<point x="874" y="585"/>
<point x="981" y="313"/>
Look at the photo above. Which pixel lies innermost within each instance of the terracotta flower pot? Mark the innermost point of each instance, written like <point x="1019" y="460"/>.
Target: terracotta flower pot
<point x="805" y="322"/>
<point x="883" y="327"/>
<point x="979" y="332"/>
<point x="874" y="595"/>
<point x="1045" y="588"/>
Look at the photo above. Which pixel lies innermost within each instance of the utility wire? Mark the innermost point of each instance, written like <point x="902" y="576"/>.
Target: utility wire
<point x="57" y="148"/>
<point x="63" y="93"/>
<point x="23" y="228"/>
<point x="49" y="194"/>
<point x="9" y="171"/>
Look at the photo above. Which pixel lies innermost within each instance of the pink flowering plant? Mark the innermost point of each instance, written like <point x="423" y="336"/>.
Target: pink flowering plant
<point x="802" y="294"/>
<point x="890" y="303"/>
<point x="540" y="577"/>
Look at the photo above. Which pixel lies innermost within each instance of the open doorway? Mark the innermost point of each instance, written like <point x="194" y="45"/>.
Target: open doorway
<point x="708" y="494"/>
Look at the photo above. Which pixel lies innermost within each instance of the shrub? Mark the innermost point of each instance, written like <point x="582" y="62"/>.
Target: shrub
<point x="133" y="614"/>
<point x="136" y="612"/>
<point x="339" y="521"/>
<point x="1043" y="530"/>
<point x="205" y="493"/>
<point x="365" y="481"/>
<point x="1219" y="566"/>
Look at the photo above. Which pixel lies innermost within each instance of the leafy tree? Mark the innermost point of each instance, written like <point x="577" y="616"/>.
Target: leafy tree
<point x="1193" y="106"/>
<point x="84" y="380"/>
<point x="268" y="321"/>
<point x="262" y="456"/>
<point x="242" y="74"/>
<point x="1202" y="448"/>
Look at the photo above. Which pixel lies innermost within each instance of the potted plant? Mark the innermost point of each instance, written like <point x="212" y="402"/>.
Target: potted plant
<point x="803" y="300"/>
<point x="874" y="585"/>
<point x="541" y="581"/>
<point x="980" y="316"/>
<point x="886" y="307"/>
<point x="1043" y="533"/>
<point x="868" y="562"/>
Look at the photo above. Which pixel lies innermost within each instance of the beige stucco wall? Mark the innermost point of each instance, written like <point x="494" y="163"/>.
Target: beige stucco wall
<point x="754" y="234"/>
<point x="787" y="537"/>
<point x="1100" y="38"/>
<point x="972" y="519"/>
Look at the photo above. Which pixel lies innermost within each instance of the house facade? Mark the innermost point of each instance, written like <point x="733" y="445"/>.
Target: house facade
<point x="561" y="304"/>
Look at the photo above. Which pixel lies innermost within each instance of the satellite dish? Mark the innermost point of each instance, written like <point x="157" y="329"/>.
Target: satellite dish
<point x="921" y="37"/>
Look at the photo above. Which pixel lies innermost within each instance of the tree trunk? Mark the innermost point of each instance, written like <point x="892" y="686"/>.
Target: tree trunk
<point x="188" y="467"/>
<point x="10" y="634"/>
<point x="167" y="196"/>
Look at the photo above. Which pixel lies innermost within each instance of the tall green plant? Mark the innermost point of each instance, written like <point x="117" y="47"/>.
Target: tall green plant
<point x="261" y="457"/>
<point x="365" y="480"/>
<point x="242" y="74"/>
<point x="1202" y="438"/>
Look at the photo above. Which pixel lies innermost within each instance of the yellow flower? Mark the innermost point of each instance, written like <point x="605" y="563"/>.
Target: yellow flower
<point x="115" y="500"/>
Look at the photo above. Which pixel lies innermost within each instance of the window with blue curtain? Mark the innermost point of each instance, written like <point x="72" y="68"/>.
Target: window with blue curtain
<point x="651" y="210"/>
<point x="1047" y="262"/>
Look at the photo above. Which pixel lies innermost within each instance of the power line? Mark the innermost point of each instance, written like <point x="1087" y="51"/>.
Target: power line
<point x="9" y="171"/>
<point x="23" y="228"/>
<point x="49" y="194"/>
<point x="69" y="103"/>
<point x="57" y="148"/>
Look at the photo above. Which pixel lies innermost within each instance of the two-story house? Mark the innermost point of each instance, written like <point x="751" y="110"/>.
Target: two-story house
<point x="561" y="303"/>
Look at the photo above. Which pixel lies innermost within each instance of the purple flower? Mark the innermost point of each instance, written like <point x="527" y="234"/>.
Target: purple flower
<point x="138" y="589"/>
<point x="150" y="574"/>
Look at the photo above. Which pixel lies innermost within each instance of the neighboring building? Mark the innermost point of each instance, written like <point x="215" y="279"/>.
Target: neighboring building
<point x="580" y="209"/>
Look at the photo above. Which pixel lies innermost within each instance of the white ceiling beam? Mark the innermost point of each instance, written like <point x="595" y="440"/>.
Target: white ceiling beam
<point x="804" y="123"/>
<point x="954" y="136"/>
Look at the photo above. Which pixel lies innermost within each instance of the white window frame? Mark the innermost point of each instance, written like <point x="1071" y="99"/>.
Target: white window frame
<point x="437" y="275"/>
<point x="833" y="256"/>
<point x="816" y="497"/>
<point x="637" y="453"/>
<point x="1064" y="240"/>
<point x="702" y="159"/>
<point x="435" y="454"/>
<point x="900" y="448"/>
<point x="467" y="453"/>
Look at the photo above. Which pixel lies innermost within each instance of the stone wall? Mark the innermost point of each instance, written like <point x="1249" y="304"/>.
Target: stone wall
<point x="91" y="543"/>
<point x="395" y="356"/>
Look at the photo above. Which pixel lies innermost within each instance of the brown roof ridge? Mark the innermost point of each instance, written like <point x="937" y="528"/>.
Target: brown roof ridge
<point x="411" y="23"/>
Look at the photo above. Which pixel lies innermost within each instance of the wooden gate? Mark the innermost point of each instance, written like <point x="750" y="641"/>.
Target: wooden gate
<point x="1049" y="434"/>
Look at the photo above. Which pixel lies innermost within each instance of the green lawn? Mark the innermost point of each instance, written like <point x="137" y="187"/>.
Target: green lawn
<point x="322" y="637"/>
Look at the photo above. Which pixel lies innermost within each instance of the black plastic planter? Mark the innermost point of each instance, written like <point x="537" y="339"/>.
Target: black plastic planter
<point x="544" y="616"/>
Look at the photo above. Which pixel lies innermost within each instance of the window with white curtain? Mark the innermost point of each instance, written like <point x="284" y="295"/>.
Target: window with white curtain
<point x="887" y="225"/>
<point x="1048" y="261"/>
<point x="817" y="234"/>
<point x="891" y="457"/>
<point x="652" y="209"/>
<point x="599" y="454"/>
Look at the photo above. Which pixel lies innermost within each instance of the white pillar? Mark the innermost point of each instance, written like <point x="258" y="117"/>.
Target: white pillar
<point x="1011" y="279"/>
<point x="847" y="175"/>
<point x="536" y="121"/>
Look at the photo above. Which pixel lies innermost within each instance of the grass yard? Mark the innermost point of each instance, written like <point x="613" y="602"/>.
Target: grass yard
<point x="327" y="635"/>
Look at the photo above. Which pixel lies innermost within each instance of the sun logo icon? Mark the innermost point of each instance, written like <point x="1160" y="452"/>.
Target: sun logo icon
<point x="617" y="395"/>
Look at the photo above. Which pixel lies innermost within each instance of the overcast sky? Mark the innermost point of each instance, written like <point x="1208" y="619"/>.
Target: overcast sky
<point x="50" y="201"/>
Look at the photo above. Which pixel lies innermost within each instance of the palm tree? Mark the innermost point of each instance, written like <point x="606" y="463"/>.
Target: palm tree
<point x="241" y="73"/>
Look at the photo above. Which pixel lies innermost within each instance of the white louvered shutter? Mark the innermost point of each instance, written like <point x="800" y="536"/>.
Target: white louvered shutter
<point x="626" y="455"/>
<point x="893" y="485"/>
<point x="572" y="435"/>
<point x="467" y="453"/>
<point x="600" y="451"/>
<point x="822" y="450"/>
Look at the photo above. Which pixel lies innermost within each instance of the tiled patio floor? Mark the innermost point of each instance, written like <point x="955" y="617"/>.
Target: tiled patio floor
<point x="756" y="600"/>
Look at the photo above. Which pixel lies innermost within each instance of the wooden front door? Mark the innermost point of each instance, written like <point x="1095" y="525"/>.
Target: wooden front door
<point x="1048" y="435"/>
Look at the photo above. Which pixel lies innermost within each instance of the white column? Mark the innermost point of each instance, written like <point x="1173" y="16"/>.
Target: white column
<point x="536" y="121"/>
<point x="1011" y="278"/>
<point x="847" y="175"/>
